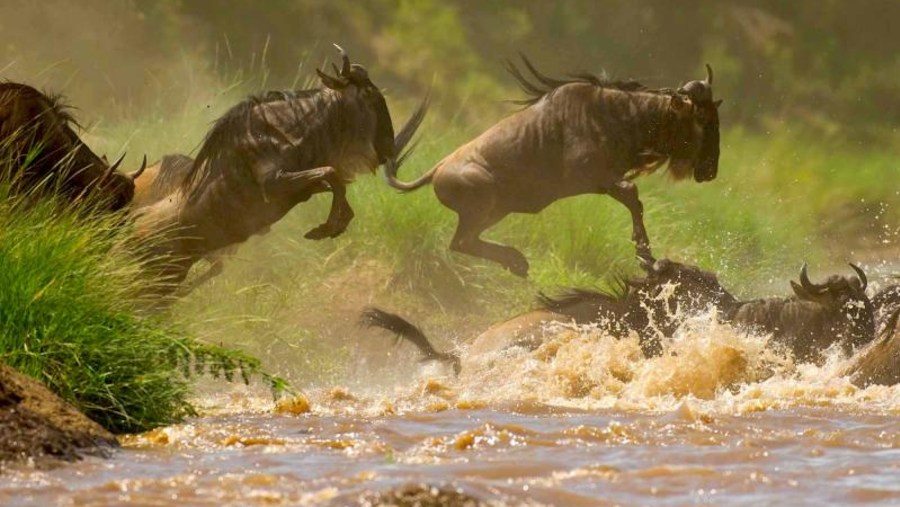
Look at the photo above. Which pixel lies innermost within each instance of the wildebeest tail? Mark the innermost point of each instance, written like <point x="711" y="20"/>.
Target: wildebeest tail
<point x="403" y="149"/>
<point x="376" y="317"/>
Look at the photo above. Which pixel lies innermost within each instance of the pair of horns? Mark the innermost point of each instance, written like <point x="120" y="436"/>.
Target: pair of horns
<point x="134" y="175"/>
<point x="699" y="90"/>
<point x="342" y="75"/>
<point x="820" y="288"/>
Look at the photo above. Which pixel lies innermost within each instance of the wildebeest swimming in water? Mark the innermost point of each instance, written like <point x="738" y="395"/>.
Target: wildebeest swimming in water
<point x="816" y="317"/>
<point x="887" y="302"/>
<point x="819" y="315"/>
<point x="653" y="307"/>
<point x="268" y="154"/>
<point x="39" y="147"/>
<point x="577" y="136"/>
<point x="880" y="362"/>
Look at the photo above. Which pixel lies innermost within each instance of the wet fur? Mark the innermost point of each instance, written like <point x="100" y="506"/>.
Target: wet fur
<point x="807" y="326"/>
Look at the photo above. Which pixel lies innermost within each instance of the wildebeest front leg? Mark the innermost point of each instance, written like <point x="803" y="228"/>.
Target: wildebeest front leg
<point x="301" y="185"/>
<point x="339" y="216"/>
<point x="626" y="193"/>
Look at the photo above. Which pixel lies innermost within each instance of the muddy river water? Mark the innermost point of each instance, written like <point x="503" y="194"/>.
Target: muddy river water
<point x="720" y="419"/>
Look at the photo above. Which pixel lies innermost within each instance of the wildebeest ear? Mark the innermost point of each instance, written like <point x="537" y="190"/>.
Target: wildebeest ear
<point x="717" y="103"/>
<point x="331" y="82"/>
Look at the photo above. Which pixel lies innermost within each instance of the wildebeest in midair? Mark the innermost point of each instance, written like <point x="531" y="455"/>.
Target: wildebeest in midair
<point x="577" y="136"/>
<point x="38" y="145"/>
<point x="163" y="180"/>
<point x="269" y="153"/>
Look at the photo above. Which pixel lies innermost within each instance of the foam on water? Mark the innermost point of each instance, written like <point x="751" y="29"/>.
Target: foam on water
<point x="707" y="366"/>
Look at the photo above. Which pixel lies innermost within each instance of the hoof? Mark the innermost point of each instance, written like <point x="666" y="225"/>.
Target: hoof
<point x="326" y="230"/>
<point x="519" y="267"/>
<point x="644" y="255"/>
<point x="321" y="232"/>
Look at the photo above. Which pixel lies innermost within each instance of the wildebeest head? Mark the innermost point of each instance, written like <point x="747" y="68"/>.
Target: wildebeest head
<point x="845" y="295"/>
<point x="118" y="188"/>
<point x="353" y="81"/>
<point x="698" y="115"/>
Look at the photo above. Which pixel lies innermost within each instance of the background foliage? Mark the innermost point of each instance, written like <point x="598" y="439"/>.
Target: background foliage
<point x="831" y="63"/>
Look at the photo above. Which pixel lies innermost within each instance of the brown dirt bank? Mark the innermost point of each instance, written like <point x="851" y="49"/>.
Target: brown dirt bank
<point x="37" y="424"/>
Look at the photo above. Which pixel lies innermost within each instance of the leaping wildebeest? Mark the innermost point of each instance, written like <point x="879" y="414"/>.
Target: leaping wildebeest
<point x="163" y="180"/>
<point x="266" y="155"/>
<point x="40" y="149"/>
<point x="576" y="136"/>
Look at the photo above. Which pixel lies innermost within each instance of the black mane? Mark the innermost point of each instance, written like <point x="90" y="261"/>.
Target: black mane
<point x="231" y="129"/>
<point x="55" y="102"/>
<point x="547" y="85"/>
<point x="572" y="297"/>
<point x="62" y="110"/>
<point x="173" y="170"/>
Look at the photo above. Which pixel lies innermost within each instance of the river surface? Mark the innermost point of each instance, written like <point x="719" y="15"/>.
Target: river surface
<point x="720" y="419"/>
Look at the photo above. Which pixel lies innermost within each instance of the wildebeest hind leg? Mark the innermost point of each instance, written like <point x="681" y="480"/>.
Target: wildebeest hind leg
<point x="626" y="193"/>
<point x="467" y="241"/>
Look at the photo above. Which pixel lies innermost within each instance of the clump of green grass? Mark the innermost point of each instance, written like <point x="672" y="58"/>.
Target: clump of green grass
<point x="70" y="318"/>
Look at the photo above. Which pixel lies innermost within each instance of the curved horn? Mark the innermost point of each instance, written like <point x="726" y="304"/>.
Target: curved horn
<point x="113" y="167"/>
<point x="140" y="171"/>
<point x="809" y="286"/>
<point x="345" y="69"/>
<point x="709" y="74"/>
<point x="861" y="274"/>
<point x="331" y="82"/>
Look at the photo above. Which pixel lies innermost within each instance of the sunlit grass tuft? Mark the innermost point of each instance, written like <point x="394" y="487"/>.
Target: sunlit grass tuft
<point x="70" y="317"/>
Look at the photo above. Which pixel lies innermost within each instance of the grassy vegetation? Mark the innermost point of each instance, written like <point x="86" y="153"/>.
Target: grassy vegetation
<point x="69" y="317"/>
